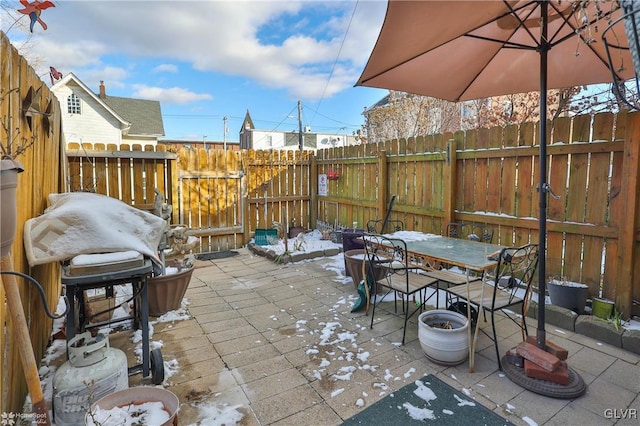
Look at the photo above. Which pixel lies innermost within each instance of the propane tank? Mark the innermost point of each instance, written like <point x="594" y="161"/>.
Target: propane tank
<point x="93" y="370"/>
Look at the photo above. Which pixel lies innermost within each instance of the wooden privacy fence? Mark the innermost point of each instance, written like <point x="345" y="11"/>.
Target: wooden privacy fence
<point x="490" y="176"/>
<point x="221" y="196"/>
<point x="30" y="113"/>
<point x="209" y="193"/>
<point x="487" y="176"/>
<point x="130" y="174"/>
<point x="279" y="185"/>
<point x="224" y="196"/>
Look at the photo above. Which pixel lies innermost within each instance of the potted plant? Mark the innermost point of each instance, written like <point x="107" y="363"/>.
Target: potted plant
<point x="11" y="146"/>
<point x="167" y="289"/>
<point x="568" y="294"/>
<point x="443" y="336"/>
<point x="602" y="307"/>
<point x="136" y="405"/>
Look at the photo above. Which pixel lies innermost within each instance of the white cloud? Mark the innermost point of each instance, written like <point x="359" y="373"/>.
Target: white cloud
<point x="166" y="68"/>
<point x="113" y="77"/>
<point x="218" y="37"/>
<point x="172" y="95"/>
<point x="44" y="52"/>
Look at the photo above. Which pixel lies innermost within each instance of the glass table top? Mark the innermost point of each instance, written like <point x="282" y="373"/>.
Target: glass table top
<point x="460" y="252"/>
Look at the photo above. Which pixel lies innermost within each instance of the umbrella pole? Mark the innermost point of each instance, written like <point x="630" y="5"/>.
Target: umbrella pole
<point x="543" y="188"/>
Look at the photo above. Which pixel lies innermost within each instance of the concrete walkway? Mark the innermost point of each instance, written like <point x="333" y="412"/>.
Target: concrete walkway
<point x="278" y="345"/>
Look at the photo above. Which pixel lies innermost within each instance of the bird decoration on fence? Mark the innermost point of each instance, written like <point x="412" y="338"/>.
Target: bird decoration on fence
<point x="33" y="10"/>
<point x="54" y="74"/>
<point x="333" y="174"/>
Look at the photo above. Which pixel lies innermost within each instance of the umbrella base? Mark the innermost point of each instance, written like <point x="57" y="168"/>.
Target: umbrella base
<point x="576" y="387"/>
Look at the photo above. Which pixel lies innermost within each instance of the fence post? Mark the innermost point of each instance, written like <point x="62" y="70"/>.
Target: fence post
<point x="626" y="231"/>
<point x="383" y="184"/>
<point x="244" y="193"/>
<point x="313" y="191"/>
<point x="449" y="184"/>
<point x="174" y="182"/>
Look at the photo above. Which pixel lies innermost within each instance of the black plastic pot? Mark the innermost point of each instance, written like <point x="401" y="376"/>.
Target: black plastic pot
<point x="295" y="230"/>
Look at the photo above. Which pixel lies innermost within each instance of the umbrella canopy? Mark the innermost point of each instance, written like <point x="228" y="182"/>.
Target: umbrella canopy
<point x="462" y="50"/>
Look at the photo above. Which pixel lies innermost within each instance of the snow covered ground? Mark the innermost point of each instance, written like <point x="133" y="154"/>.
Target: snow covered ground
<point x="330" y="332"/>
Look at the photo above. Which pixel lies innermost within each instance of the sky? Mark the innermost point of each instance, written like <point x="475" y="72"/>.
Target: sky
<point x="206" y="60"/>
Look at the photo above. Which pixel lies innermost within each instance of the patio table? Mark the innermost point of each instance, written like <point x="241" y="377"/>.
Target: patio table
<point x="476" y="256"/>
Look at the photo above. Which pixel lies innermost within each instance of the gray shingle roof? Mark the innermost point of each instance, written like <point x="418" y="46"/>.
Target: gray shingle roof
<point x="144" y="115"/>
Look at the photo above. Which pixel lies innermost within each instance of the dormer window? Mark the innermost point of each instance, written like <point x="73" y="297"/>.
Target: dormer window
<point x="73" y="104"/>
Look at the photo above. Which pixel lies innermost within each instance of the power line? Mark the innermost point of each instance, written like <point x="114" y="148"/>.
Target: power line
<point x="282" y="121"/>
<point x="334" y="120"/>
<point x="269" y="124"/>
<point x="333" y="67"/>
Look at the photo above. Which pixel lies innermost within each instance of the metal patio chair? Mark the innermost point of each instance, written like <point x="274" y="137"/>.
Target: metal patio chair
<point x="401" y="278"/>
<point x="374" y="226"/>
<point x="471" y="231"/>
<point x="508" y="286"/>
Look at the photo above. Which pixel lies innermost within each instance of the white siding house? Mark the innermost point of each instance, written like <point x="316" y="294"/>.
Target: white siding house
<point x="252" y="138"/>
<point x="97" y="118"/>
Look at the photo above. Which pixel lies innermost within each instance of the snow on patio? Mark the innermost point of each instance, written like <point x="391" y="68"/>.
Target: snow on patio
<point x="335" y="344"/>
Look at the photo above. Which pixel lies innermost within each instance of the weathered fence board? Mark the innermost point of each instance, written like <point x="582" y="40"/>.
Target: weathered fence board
<point x="41" y="177"/>
<point x="130" y="174"/>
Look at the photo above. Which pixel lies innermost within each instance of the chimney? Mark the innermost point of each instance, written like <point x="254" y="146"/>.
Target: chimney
<point x="103" y="93"/>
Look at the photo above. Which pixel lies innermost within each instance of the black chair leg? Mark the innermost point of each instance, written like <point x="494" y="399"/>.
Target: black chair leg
<point x="373" y="313"/>
<point x="495" y="339"/>
<point x="373" y="304"/>
<point x="406" y="318"/>
<point x="424" y="298"/>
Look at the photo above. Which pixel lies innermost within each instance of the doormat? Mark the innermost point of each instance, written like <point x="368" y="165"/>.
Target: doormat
<point x="427" y="401"/>
<point x="216" y="255"/>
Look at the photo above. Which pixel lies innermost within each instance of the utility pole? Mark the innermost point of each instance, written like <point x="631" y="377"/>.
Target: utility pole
<point x="204" y="142"/>
<point x="224" y="131"/>
<point x="300" y="144"/>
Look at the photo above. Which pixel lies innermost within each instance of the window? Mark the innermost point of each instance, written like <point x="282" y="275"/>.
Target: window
<point x="73" y="104"/>
<point x="468" y="111"/>
<point x="269" y="141"/>
<point x="507" y="107"/>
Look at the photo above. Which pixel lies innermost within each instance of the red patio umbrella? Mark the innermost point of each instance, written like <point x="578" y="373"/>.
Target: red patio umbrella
<point x="463" y="50"/>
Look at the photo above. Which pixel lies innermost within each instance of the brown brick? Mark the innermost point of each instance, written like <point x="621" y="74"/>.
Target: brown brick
<point x="552" y="348"/>
<point x="560" y="375"/>
<point x="533" y="353"/>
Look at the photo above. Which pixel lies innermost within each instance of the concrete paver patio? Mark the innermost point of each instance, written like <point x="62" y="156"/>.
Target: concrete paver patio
<point x="278" y="345"/>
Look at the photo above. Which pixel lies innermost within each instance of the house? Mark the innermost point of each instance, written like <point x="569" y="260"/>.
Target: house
<point x="89" y="117"/>
<point x="190" y="144"/>
<point x="405" y="115"/>
<point x="252" y="138"/>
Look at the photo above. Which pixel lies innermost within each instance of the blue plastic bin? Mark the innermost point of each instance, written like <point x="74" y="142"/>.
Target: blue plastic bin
<point x="263" y="236"/>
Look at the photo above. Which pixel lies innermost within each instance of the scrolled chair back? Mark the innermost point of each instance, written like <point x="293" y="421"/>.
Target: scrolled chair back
<point x="375" y="226"/>
<point x="515" y="270"/>
<point x="471" y="231"/>
<point x="390" y="253"/>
